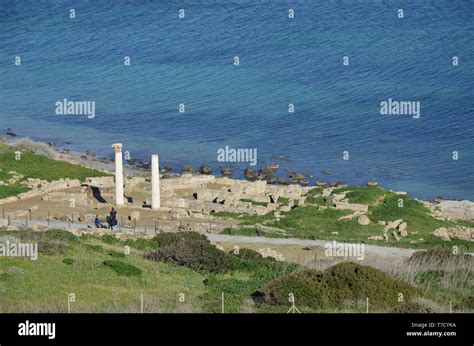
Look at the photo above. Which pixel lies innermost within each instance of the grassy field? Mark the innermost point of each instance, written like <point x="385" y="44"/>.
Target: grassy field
<point x="36" y="165"/>
<point x="308" y="222"/>
<point x="78" y="267"/>
<point x="105" y="279"/>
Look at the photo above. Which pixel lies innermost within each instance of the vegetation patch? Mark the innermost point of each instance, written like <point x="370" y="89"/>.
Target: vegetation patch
<point x="412" y="307"/>
<point x="116" y="254"/>
<point x="94" y="248"/>
<point x="467" y="303"/>
<point x="248" y="254"/>
<point x="35" y="164"/>
<point x="314" y="197"/>
<point x="364" y="194"/>
<point x="249" y="231"/>
<point x="52" y="248"/>
<point x="122" y="268"/>
<point x="254" y="202"/>
<point x="192" y="250"/>
<point x="110" y="239"/>
<point x="439" y="256"/>
<point x="68" y="261"/>
<point x="335" y="287"/>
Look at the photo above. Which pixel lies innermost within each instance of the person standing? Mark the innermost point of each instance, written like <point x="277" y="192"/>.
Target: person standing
<point x="113" y="219"/>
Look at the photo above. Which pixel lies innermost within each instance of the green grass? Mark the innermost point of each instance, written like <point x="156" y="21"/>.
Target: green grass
<point x="104" y="284"/>
<point x="249" y="232"/>
<point x="314" y="197"/>
<point x="37" y="166"/>
<point x="245" y="219"/>
<point x="237" y="286"/>
<point x="43" y="285"/>
<point x="363" y="195"/>
<point x="122" y="268"/>
<point x="12" y="190"/>
<point x="412" y="211"/>
<point x="308" y="223"/>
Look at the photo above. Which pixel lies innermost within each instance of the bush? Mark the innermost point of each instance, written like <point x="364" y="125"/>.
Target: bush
<point x="68" y="261"/>
<point x="337" y="285"/>
<point x="165" y="239"/>
<point x="28" y="235"/>
<point x="467" y="303"/>
<point x="122" y="268"/>
<point x="191" y="250"/>
<point x="411" y="308"/>
<point x="248" y="254"/>
<point x="438" y="256"/>
<point x="58" y="234"/>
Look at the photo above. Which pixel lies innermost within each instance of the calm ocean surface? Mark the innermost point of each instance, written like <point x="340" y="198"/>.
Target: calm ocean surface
<point x="282" y="61"/>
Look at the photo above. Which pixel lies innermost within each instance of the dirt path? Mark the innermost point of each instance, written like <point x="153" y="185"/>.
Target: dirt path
<point x="384" y="251"/>
<point x="369" y="249"/>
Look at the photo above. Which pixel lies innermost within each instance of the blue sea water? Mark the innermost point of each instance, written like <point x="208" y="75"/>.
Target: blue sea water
<point x="282" y="61"/>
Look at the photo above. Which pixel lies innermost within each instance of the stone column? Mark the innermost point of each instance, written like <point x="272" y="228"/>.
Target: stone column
<point x="118" y="174"/>
<point x="155" y="182"/>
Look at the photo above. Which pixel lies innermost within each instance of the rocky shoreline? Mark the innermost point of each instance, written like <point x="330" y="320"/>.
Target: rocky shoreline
<point x="448" y="209"/>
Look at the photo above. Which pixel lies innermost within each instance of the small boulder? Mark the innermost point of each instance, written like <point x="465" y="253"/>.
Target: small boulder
<point x="205" y="169"/>
<point x="250" y="173"/>
<point x="402" y="229"/>
<point x="303" y="182"/>
<point x="376" y="237"/>
<point x="363" y="220"/>
<point x="226" y="171"/>
<point x="320" y="183"/>
<point x="336" y="183"/>
<point x="188" y="169"/>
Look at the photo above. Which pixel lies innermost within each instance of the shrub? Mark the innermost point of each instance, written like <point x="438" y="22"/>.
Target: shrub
<point x="337" y="285"/>
<point x="438" y="256"/>
<point x="122" y="268"/>
<point x="58" y="234"/>
<point x="68" y="261"/>
<point x="165" y="239"/>
<point x="248" y="254"/>
<point x="49" y="235"/>
<point x="411" y="307"/>
<point x="467" y="303"/>
<point x="192" y="250"/>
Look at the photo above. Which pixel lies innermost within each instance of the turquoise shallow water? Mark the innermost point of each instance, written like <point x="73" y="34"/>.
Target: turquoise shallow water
<point x="282" y="61"/>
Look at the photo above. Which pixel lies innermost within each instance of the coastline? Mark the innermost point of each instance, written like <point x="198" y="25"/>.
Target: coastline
<point x="449" y="208"/>
<point x="140" y="166"/>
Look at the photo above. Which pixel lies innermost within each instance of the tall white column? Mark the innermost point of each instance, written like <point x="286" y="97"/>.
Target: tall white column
<point x="155" y="182"/>
<point x="118" y="174"/>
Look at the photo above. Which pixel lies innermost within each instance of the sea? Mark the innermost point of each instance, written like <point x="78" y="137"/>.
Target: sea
<point x="301" y="82"/>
